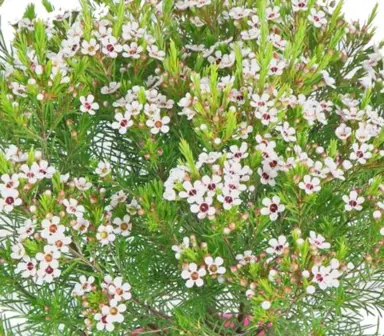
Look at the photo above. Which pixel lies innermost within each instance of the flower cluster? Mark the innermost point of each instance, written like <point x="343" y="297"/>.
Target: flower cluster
<point x="111" y="312"/>
<point x="46" y="236"/>
<point x="220" y="188"/>
<point x="212" y="155"/>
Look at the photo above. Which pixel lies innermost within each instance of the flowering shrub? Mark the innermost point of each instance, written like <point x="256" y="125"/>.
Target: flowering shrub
<point x="191" y="167"/>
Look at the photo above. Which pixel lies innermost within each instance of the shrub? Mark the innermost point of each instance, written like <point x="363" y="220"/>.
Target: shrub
<point x="191" y="167"/>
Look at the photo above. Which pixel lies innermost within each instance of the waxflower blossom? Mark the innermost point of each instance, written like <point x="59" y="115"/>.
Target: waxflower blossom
<point x="343" y="132"/>
<point x="27" y="267"/>
<point x="246" y="258"/>
<point x="105" y="234"/>
<point x="119" y="290"/>
<point x="103" y="168"/>
<point x="84" y="286"/>
<point x="123" y="226"/>
<point x="90" y="48"/>
<point x="158" y="124"/>
<point x="300" y="5"/>
<point x="193" y="275"/>
<point x="179" y="249"/>
<point x="73" y="208"/>
<point x="88" y="105"/>
<point x="123" y="122"/>
<point x="353" y="201"/>
<point x="318" y="18"/>
<point x="361" y="153"/>
<point x="272" y="207"/>
<point x="10" y="199"/>
<point x="203" y="207"/>
<point x="277" y="246"/>
<point x="214" y="266"/>
<point x="310" y="185"/>
<point x="327" y="276"/>
<point x="318" y="241"/>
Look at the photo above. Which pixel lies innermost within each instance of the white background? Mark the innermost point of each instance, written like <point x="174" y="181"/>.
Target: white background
<point x="354" y="10"/>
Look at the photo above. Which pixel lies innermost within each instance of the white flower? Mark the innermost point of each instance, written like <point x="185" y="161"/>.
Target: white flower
<point x="266" y="305"/>
<point x="81" y="224"/>
<point x="73" y="208"/>
<point x="14" y="154"/>
<point x="353" y="201"/>
<point x="132" y="30"/>
<point x="179" y="249"/>
<point x="361" y="153"/>
<point x="246" y="258"/>
<point x="267" y="116"/>
<point x="111" y="88"/>
<point x="43" y="170"/>
<point x="154" y="52"/>
<point x="273" y="13"/>
<point x="277" y="245"/>
<point x="135" y="107"/>
<point x="214" y="266"/>
<point x="229" y="197"/>
<point x="343" y="132"/>
<point x="103" y="323"/>
<point x="333" y="169"/>
<point x="272" y="207"/>
<point x="88" y="105"/>
<point x="276" y="67"/>
<point x="300" y="5"/>
<point x="203" y="207"/>
<point x="103" y="168"/>
<point x="105" y="234"/>
<point x="47" y="272"/>
<point x="111" y="47"/>
<point x="49" y="257"/>
<point x="119" y="197"/>
<point x="328" y="79"/>
<point x="193" y="275"/>
<point x="9" y="181"/>
<point x="18" y="251"/>
<point x="212" y="184"/>
<point x="84" y="286"/>
<point x="238" y="13"/>
<point x="26" y="230"/>
<point x="267" y="175"/>
<point x="51" y="226"/>
<point x="288" y="133"/>
<point x="123" y="122"/>
<point x="238" y="153"/>
<point x="27" y="267"/>
<point x="193" y="192"/>
<point x="158" y="124"/>
<point x="82" y="184"/>
<point x="132" y="51"/>
<point x="119" y="290"/>
<point x="310" y="185"/>
<point x="10" y="200"/>
<point x="113" y="311"/>
<point x="317" y="17"/>
<point x="60" y="240"/>
<point x="326" y="277"/>
<point x="124" y="226"/>
<point x="90" y="48"/>
<point x="318" y="241"/>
